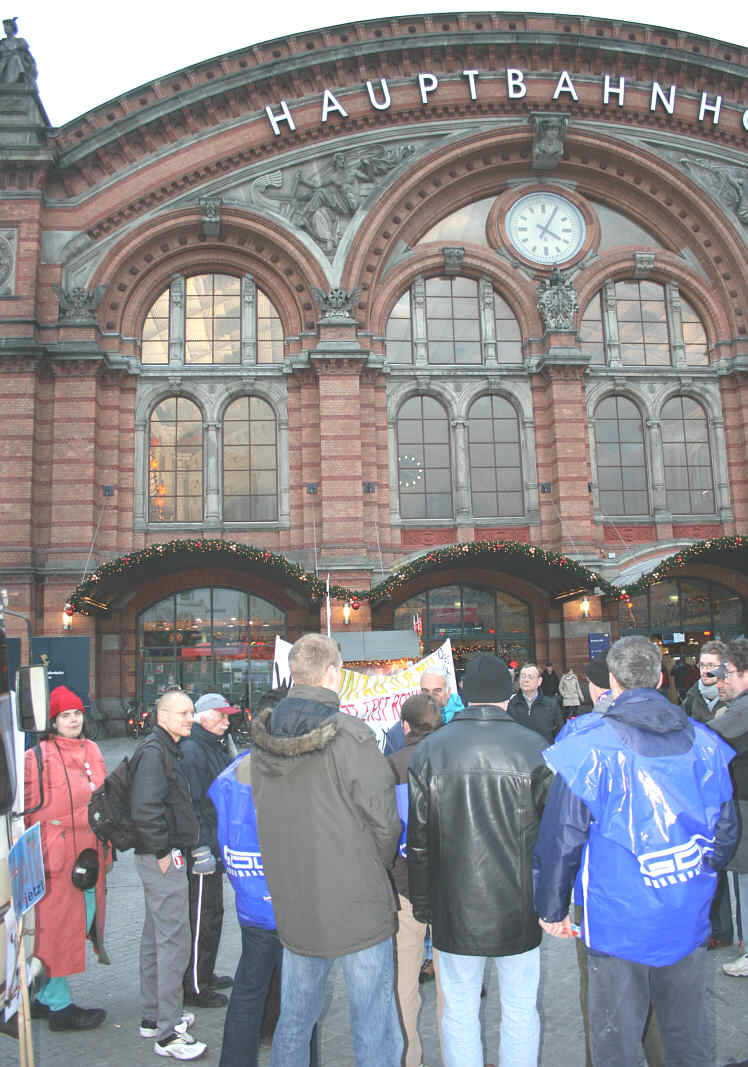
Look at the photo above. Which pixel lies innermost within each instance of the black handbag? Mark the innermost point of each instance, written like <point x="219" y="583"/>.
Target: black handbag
<point x="85" y="872"/>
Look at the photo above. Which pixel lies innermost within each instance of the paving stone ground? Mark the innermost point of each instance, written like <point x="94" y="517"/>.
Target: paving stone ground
<point x="117" y="1043"/>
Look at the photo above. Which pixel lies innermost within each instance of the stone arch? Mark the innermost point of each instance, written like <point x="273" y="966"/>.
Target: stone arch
<point x="631" y="179"/>
<point x="139" y="268"/>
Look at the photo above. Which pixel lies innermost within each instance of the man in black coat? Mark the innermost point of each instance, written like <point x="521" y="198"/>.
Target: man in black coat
<point x="477" y="790"/>
<point x="205" y="756"/>
<point x="530" y="707"/>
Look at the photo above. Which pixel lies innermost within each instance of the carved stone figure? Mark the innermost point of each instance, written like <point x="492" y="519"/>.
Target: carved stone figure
<point x="16" y="62"/>
<point x="336" y="305"/>
<point x="548" y="136"/>
<point x="7" y="262"/>
<point x="78" y="306"/>
<point x="322" y="198"/>
<point x="727" y="184"/>
<point x="557" y="302"/>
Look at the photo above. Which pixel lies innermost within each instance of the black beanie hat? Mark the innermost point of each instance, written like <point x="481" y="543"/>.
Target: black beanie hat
<point x="487" y="680"/>
<point x="597" y="671"/>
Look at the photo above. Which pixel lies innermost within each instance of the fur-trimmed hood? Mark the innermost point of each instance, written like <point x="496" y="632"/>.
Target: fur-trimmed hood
<point x="283" y="751"/>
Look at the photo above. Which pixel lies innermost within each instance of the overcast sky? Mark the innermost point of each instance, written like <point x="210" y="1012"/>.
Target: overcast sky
<point x="90" y="51"/>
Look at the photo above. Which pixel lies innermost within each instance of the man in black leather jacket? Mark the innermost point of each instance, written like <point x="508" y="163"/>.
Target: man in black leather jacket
<point x="161" y="809"/>
<point x="477" y="790"/>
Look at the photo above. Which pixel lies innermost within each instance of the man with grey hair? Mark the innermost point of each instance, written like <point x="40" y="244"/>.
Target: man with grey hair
<point x="435" y="682"/>
<point x="166" y="829"/>
<point x="641" y="813"/>
<point x="205" y="756"/>
<point x="328" y="829"/>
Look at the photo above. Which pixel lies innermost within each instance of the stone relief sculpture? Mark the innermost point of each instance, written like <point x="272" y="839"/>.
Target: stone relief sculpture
<point x="78" y="306"/>
<point x="727" y="184"/>
<point x="321" y="198"/>
<point x="557" y="301"/>
<point x="8" y="241"/>
<point x="336" y="305"/>
<point x="548" y="136"/>
<point x="16" y="61"/>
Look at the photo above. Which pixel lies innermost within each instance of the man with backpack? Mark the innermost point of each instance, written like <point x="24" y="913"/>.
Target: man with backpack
<point x="165" y="829"/>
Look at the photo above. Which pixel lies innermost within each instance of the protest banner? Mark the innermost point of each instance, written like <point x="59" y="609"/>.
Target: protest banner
<point x="376" y="699"/>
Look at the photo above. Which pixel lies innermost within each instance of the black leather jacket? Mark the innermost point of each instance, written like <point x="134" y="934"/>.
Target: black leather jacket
<point x="477" y="790"/>
<point x="160" y="801"/>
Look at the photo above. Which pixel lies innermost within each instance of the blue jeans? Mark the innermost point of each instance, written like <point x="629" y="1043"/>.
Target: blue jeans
<point x="375" y="1025"/>
<point x="519" y="1035"/>
<point x="261" y="954"/>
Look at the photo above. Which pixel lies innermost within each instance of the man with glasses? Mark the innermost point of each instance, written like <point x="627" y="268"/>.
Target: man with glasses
<point x="164" y="818"/>
<point x="703" y="700"/>
<point x="532" y="708"/>
<point x="732" y="679"/>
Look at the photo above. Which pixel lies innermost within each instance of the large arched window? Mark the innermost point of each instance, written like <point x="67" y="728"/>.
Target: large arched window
<point x="621" y="462"/>
<point x="474" y="620"/>
<point x="212" y="319"/>
<point x="424" y="467"/>
<point x="683" y="613"/>
<point x="495" y="464"/>
<point x="453" y="331"/>
<point x="175" y="462"/>
<point x="209" y="639"/>
<point x="250" y="467"/>
<point x="689" y="485"/>
<point x="642" y="324"/>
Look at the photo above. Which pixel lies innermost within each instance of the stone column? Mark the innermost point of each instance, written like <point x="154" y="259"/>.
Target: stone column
<point x="463" y="509"/>
<point x="176" y="320"/>
<point x="420" y="346"/>
<point x="249" y="320"/>
<point x="211" y="487"/>
<point x="663" y="518"/>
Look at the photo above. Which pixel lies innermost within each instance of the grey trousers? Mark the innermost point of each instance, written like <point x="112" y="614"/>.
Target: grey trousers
<point x="620" y="993"/>
<point x="165" y="942"/>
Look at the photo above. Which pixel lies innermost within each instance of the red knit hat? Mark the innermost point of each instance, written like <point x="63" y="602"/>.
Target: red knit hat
<point x="63" y="699"/>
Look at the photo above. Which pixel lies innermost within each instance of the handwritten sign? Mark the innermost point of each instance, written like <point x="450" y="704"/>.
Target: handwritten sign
<point x="26" y="867"/>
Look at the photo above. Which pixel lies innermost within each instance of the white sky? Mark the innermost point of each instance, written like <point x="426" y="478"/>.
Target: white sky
<point x="90" y="51"/>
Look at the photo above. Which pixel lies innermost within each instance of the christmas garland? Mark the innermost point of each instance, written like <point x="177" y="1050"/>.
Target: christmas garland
<point x="713" y="550"/>
<point x="85" y="601"/>
<point x="84" y="598"/>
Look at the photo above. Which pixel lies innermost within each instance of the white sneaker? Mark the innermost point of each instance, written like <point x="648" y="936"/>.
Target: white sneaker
<point x="180" y="1047"/>
<point x="148" y="1028"/>
<point x="738" y="968"/>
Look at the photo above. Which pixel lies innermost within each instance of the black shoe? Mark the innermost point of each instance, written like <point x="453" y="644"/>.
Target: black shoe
<point x="220" y="981"/>
<point x="206" y="998"/>
<point x="75" y="1018"/>
<point x="39" y="1010"/>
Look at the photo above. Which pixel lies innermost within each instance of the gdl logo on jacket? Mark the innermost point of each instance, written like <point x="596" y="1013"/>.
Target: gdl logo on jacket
<point x="668" y="866"/>
<point x="243" y="864"/>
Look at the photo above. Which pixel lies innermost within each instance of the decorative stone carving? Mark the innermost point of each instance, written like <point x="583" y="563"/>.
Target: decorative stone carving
<point x="210" y="215"/>
<point x="16" y="61"/>
<point x="548" y="136"/>
<point x="643" y="264"/>
<point x="727" y="184"/>
<point x="336" y="305"/>
<point x="322" y="197"/>
<point x="78" y="306"/>
<point x="8" y="247"/>
<point x="453" y="257"/>
<point x="557" y="302"/>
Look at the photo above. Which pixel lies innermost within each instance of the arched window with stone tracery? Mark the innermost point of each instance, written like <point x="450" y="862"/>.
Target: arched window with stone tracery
<point x="423" y="460"/>
<point x="175" y="462"/>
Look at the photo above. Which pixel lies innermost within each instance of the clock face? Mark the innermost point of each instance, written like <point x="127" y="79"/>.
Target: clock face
<point x="545" y="228"/>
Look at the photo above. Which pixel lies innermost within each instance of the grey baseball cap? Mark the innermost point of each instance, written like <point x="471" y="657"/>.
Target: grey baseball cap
<point x="209" y="701"/>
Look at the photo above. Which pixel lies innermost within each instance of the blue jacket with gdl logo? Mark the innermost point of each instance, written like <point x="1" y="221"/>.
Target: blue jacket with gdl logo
<point x="642" y="806"/>
<point x="240" y="849"/>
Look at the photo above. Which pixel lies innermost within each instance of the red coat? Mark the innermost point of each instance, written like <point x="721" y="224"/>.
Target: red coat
<point x="61" y="914"/>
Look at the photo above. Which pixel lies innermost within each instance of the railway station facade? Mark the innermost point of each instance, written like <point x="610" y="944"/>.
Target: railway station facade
<point x="446" y="307"/>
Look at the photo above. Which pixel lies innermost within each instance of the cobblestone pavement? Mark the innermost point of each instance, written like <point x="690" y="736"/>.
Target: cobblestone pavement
<point x="117" y="1043"/>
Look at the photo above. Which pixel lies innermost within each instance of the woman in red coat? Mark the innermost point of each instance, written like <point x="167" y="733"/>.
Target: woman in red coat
<point x="71" y="768"/>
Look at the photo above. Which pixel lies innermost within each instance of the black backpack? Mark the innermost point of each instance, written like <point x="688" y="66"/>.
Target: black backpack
<point x="109" y="809"/>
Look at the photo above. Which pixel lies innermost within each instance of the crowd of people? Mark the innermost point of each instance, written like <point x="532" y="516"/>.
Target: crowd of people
<point x="590" y="807"/>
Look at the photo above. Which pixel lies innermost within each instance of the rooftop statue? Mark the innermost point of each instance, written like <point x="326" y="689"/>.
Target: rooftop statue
<point x="16" y="61"/>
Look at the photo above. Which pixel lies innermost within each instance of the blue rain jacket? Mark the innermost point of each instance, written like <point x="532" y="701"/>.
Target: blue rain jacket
<point x="240" y="848"/>
<point x="401" y="796"/>
<point x="643" y="795"/>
